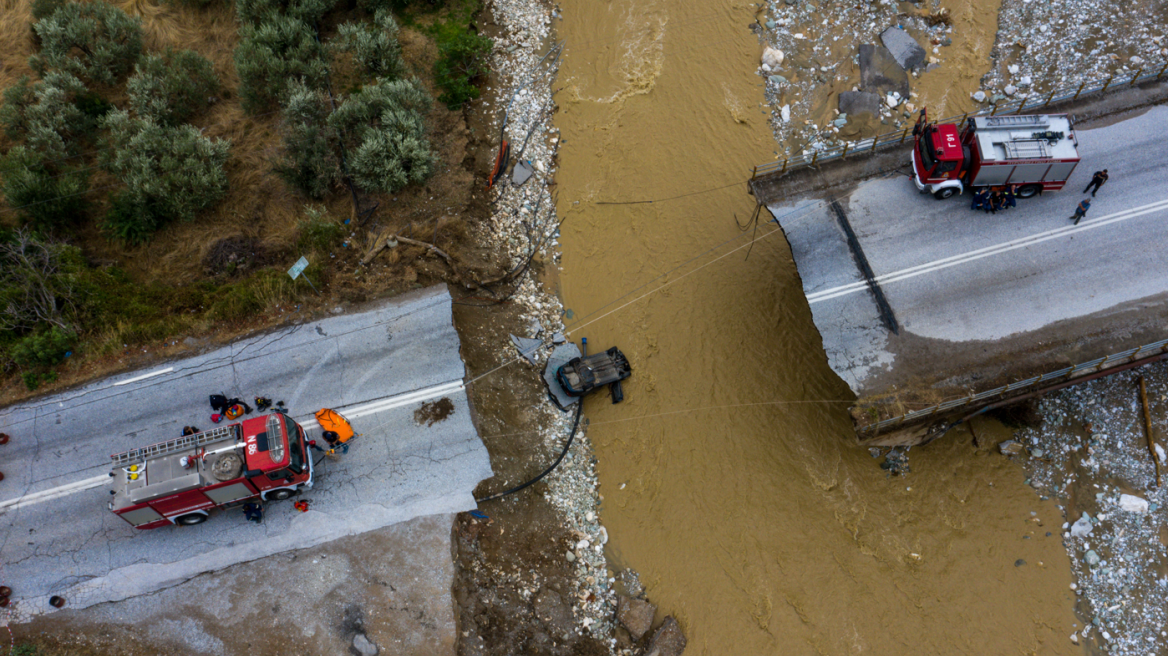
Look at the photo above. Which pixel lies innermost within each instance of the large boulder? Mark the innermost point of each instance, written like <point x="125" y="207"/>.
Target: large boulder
<point x="905" y="49"/>
<point x="880" y="73"/>
<point x="668" y="640"/>
<point x="636" y="615"/>
<point x="857" y="102"/>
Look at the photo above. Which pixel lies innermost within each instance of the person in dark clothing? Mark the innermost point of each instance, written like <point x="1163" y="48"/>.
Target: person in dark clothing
<point x="979" y="200"/>
<point x="994" y="203"/>
<point x="1081" y="211"/>
<point x="1010" y="197"/>
<point x="263" y="403"/>
<point x="254" y="512"/>
<point x="1097" y="181"/>
<point x="189" y="430"/>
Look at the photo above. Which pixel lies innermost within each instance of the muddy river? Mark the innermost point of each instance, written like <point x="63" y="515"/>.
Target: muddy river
<point x="732" y="481"/>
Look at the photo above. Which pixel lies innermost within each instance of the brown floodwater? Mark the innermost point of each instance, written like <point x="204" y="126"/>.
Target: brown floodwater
<point x="732" y="480"/>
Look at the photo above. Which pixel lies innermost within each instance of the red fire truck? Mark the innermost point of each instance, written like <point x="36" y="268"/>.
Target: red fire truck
<point x="180" y="481"/>
<point x="1036" y="153"/>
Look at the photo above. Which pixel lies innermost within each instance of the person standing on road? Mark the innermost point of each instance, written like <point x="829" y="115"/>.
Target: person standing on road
<point x="1081" y="210"/>
<point x="1097" y="181"/>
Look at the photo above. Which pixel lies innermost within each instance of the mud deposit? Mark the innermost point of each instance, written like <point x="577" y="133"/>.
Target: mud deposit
<point x="730" y="476"/>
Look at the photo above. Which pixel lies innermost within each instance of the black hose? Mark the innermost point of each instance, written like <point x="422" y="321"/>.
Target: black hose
<point x="575" y="425"/>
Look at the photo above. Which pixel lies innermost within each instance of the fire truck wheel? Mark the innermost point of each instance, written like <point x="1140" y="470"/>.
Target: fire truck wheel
<point x="942" y="194"/>
<point x="280" y="495"/>
<point x="1029" y="191"/>
<point x="191" y="519"/>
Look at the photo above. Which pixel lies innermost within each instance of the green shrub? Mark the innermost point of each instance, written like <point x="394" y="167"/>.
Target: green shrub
<point x="271" y="56"/>
<point x="318" y="232"/>
<point x="384" y="132"/>
<point x="173" y="87"/>
<point x="94" y="41"/>
<point x="256" y="12"/>
<point x="47" y="197"/>
<point x="44" y="8"/>
<point x="310" y="161"/>
<point x="169" y="172"/>
<point x="44" y="348"/>
<point x="236" y="302"/>
<point x="128" y="220"/>
<point x="374" y="46"/>
<point x="462" y="59"/>
<point x="46" y="115"/>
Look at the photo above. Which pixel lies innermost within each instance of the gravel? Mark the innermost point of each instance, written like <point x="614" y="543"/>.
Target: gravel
<point x="1091" y="455"/>
<point x="524" y="222"/>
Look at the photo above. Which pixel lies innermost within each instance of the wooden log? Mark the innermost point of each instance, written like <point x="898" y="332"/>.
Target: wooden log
<point x="1148" y="429"/>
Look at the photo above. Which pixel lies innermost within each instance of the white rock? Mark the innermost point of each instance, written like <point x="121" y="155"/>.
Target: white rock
<point x="766" y="68"/>
<point x="1082" y="526"/>
<point x="772" y="57"/>
<point x="979" y="96"/>
<point x="582" y="544"/>
<point x="1075" y="638"/>
<point x="892" y="100"/>
<point x="1011" y="89"/>
<point x="1013" y="68"/>
<point x="785" y="113"/>
<point x="1132" y="503"/>
<point x="1161" y="455"/>
<point x="1024" y="82"/>
<point x="798" y="35"/>
<point x="570" y="556"/>
<point x="1137" y="60"/>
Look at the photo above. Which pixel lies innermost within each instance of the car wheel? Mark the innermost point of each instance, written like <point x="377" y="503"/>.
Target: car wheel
<point x="191" y="519"/>
<point x="1029" y="191"/>
<point x="280" y="495"/>
<point x="942" y="194"/>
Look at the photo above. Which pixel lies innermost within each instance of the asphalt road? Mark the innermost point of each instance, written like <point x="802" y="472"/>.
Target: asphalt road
<point x="955" y="276"/>
<point x="377" y="367"/>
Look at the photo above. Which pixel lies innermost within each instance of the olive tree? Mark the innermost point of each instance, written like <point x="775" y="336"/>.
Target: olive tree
<point x="384" y="132"/>
<point x="45" y="115"/>
<point x="169" y="173"/>
<point x="310" y="161"/>
<point x="255" y="12"/>
<point x="172" y="87"/>
<point x="374" y="46"/>
<point x="47" y="194"/>
<point x="272" y="55"/>
<point x="93" y="41"/>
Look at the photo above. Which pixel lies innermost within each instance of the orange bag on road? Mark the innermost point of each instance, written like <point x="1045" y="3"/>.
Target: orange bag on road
<point x="331" y="420"/>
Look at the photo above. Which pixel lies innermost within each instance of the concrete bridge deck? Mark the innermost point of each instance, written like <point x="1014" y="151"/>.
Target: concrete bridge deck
<point x="963" y="300"/>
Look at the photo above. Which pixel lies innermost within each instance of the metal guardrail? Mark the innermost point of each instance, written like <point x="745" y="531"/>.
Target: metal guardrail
<point x="1097" y="365"/>
<point x="866" y="146"/>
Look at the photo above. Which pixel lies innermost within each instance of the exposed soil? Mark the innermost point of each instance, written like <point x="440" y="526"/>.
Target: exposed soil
<point x="434" y="411"/>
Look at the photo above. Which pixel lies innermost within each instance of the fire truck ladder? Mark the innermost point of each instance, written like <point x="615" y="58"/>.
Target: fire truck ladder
<point x="184" y="443"/>
<point x="1017" y="121"/>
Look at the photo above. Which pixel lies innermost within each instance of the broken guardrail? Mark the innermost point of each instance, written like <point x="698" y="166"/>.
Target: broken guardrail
<point x="1059" y="94"/>
<point x="1098" y="365"/>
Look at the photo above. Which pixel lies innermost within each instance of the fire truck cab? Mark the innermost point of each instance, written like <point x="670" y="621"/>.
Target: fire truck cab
<point x="182" y="480"/>
<point x="1035" y="153"/>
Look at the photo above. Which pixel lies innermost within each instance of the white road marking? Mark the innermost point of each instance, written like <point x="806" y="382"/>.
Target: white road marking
<point x="144" y="376"/>
<point x="356" y="412"/>
<point x="1023" y="242"/>
<point x="54" y="493"/>
<point x="389" y="403"/>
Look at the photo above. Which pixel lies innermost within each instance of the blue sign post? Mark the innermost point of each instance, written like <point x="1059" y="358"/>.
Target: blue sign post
<point x="298" y="269"/>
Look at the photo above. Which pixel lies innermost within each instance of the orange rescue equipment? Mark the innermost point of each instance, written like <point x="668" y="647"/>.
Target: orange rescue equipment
<point x="331" y="420"/>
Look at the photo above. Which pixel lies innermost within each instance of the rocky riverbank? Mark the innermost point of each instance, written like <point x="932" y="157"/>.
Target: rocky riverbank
<point x="532" y="569"/>
<point x="1091" y="454"/>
